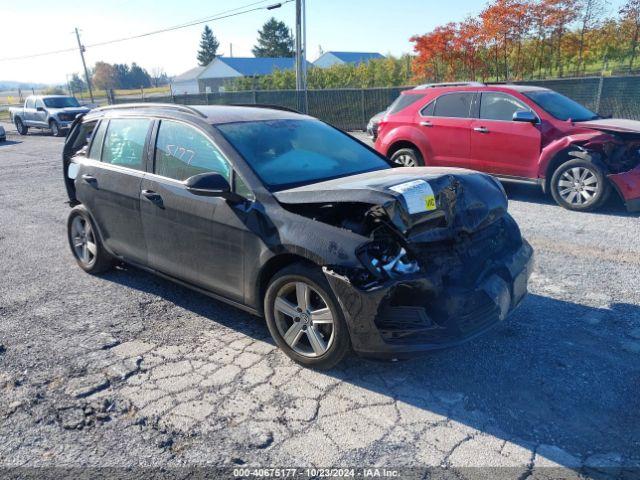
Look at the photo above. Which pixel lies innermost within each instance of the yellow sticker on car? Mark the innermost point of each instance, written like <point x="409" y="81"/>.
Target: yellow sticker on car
<point x="430" y="202"/>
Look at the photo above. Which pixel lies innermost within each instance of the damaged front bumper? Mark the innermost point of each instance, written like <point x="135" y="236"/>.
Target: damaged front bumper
<point x="406" y="316"/>
<point x="628" y="186"/>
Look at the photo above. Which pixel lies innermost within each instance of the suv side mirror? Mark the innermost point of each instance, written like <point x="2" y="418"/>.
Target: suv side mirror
<point x="211" y="184"/>
<point x="524" y="116"/>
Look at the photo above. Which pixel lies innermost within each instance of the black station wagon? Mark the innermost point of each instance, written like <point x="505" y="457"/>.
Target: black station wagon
<point x="285" y="216"/>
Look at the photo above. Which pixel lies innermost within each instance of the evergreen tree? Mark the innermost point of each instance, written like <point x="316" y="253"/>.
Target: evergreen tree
<point x="208" y="47"/>
<point x="274" y="40"/>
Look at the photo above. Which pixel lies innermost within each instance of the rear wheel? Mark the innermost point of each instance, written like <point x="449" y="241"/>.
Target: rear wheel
<point x="407" y="157"/>
<point x="579" y="185"/>
<point x="304" y="317"/>
<point x="21" y="127"/>
<point x="85" y="242"/>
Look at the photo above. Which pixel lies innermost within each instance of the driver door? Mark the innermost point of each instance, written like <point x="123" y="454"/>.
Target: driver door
<point x="40" y="114"/>
<point x="196" y="239"/>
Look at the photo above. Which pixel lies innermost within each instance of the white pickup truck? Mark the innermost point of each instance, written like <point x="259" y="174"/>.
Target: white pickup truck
<point x="52" y="112"/>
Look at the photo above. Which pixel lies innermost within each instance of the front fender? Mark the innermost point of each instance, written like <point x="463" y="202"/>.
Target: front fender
<point x="594" y="140"/>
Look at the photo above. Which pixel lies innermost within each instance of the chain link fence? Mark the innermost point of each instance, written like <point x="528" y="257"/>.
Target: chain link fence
<point x="350" y="109"/>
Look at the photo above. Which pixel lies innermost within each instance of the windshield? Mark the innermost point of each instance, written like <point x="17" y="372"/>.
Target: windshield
<point x="61" y="102"/>
<point x="561" y="107"/>
<point x="291" y="153"/>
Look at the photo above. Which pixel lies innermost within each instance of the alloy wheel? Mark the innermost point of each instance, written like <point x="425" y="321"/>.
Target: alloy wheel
<point x="405" y="160"/>
<point x="578" y="186"/>
<point x="83" y="240"/>
<point x="304" y="319"/>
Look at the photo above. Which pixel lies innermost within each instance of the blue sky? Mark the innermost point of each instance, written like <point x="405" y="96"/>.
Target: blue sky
<point x="349" y="25"/>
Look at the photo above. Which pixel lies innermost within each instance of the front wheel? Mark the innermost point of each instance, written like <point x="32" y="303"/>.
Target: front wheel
<point x="407" y="157"/>
<point x="579" y="185"/>
<point x="305" y="318"/>
<point x="21" y="127"/>
<point x="85" y="242"/>
<point x="55" y="128"/>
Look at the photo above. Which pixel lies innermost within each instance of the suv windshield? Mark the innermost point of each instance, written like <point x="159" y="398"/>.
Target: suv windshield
<point x="561" y="107"/>
<point x="61" y="102"/>
<point x="291" y="153"/>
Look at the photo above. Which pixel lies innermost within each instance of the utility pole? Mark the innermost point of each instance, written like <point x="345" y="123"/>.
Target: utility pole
<point x="301" y="62"/>
<point x="231" y="50"/>
<point x="84" y="64"/>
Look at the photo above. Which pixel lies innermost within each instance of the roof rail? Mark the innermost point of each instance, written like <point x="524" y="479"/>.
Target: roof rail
<point x="449" y="84"/>
<point x="165" y="106"/>
<point x="263" y="105"/>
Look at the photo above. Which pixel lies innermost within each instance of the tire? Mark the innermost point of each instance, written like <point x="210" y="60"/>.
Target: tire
<point x="320" y="345"/>
<point x="408" y="157"/>
<point x="91" y="259"/>
<point x="55" y="129"/>
<point x="21" y="127"/>
<point x="579" y="185"/>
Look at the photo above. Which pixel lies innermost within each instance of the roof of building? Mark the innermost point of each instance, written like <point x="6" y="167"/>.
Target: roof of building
<point x="191" y="74"/>
<point x="250" y="66"/>
<point x="356" y="57"/>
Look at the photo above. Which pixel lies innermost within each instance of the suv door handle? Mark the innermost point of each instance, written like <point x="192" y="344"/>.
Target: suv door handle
<point x="426" y="124"/>
<point x="90" y="179"/>
<point x="481" y="129"/>
<point x="153" y="197"/>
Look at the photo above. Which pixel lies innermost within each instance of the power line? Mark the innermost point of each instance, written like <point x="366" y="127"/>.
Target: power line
<point x="219" y="16"/>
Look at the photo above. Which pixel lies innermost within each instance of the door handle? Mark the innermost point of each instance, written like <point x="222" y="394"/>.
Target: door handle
<point x="426" y="124"/>
<point x="481" y="129"/>
<point x="90" y="179"/>
<point x="153" y="197"/>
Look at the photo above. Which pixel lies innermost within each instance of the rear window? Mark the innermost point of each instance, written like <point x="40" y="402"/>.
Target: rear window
<point x="85" y="131"/>
<point x="403" y="101"/>
<point x="457" y="105"/>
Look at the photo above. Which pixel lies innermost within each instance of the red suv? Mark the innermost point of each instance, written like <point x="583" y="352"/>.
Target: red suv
<point x="518" y="133"/>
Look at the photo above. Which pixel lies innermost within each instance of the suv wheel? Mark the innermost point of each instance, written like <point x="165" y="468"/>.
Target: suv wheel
<point x="407" y="157"/>
<point x="21" y="127"/>
<point x="55" y="128"/>
<point x="579" y="185"/>
<point x="85" y="242"/>
<point x="304" y="317"/>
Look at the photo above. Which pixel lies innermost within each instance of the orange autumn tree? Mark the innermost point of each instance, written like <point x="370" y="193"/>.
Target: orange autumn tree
<point x="435" y="54"/>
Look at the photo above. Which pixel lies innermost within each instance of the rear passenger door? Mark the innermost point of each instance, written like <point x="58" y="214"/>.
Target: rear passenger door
<point x="196" y="239"/>
<point x="446" y="122"/>
<point x="108" y="184"/>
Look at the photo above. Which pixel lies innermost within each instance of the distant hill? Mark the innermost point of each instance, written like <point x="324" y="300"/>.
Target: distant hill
<point x="11" y="85"/>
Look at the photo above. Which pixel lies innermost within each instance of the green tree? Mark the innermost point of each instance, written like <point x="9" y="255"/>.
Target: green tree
<point x="274" y="40"/>
<point x="77" y="84"/>
<point x="208" y="47"/>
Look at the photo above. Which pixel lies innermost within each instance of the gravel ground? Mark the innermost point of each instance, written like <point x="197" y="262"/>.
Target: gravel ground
<point x="128" y="369"/>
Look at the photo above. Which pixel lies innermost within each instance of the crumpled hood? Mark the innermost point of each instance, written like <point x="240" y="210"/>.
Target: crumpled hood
<point x="461" y="200"/>
<point x="613" y="125"/>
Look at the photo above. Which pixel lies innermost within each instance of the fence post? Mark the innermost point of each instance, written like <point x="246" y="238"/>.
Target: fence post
<point x="207" y="97"/>
<point x="255" y="97"/>
<point x="363" y="117"/>
<point x="599" y="94"/>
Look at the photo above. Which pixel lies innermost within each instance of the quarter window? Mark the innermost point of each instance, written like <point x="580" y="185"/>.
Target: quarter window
<point x="124" y="142"/>
<point x="182" y="152"/>
<point x="428" y="110"/>
<point x="457" y="105"/>
<point x="500" y="106"/>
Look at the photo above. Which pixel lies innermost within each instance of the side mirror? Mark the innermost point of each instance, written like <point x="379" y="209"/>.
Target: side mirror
<point x="40" y="109"/>
<point x="211" y="184"/>
<point x="524" y="116"/>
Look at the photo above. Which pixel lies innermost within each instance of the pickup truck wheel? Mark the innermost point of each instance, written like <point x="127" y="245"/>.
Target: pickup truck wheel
<point x="407" y="157"/>
<point x="21" y="127"/>
<point x="55" y="128"/>
<point x="579" y="185"/>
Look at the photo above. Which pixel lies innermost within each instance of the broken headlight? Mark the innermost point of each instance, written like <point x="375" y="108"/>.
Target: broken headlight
<point x="387" y="259"/>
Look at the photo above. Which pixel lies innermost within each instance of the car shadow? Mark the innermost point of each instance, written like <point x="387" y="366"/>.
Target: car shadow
<point x="555" y="373"/>
<point x="6" y="143"/>
<point x="533" y="194"/>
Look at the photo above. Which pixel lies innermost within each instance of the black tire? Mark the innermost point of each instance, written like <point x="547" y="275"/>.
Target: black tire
<point x="407" y="157"/>
<point x="97" y="261"/>
<point x="20" y="126"/>
<point x="337" y="345"/>
<point x="576" y="179"/>
<point x="55" y="129"/>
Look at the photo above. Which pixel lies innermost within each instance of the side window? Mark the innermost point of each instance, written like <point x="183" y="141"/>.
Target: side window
<point x="39" y="103"/>
<point x="456" y="105"/>
<point x="183" y="151"/>
<point x="428" y="110"/>
<point x="124" y="142"/>
<point x="30" y="103"/>
<point x="500" y="106"/>
<point x="96" y="144"/>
